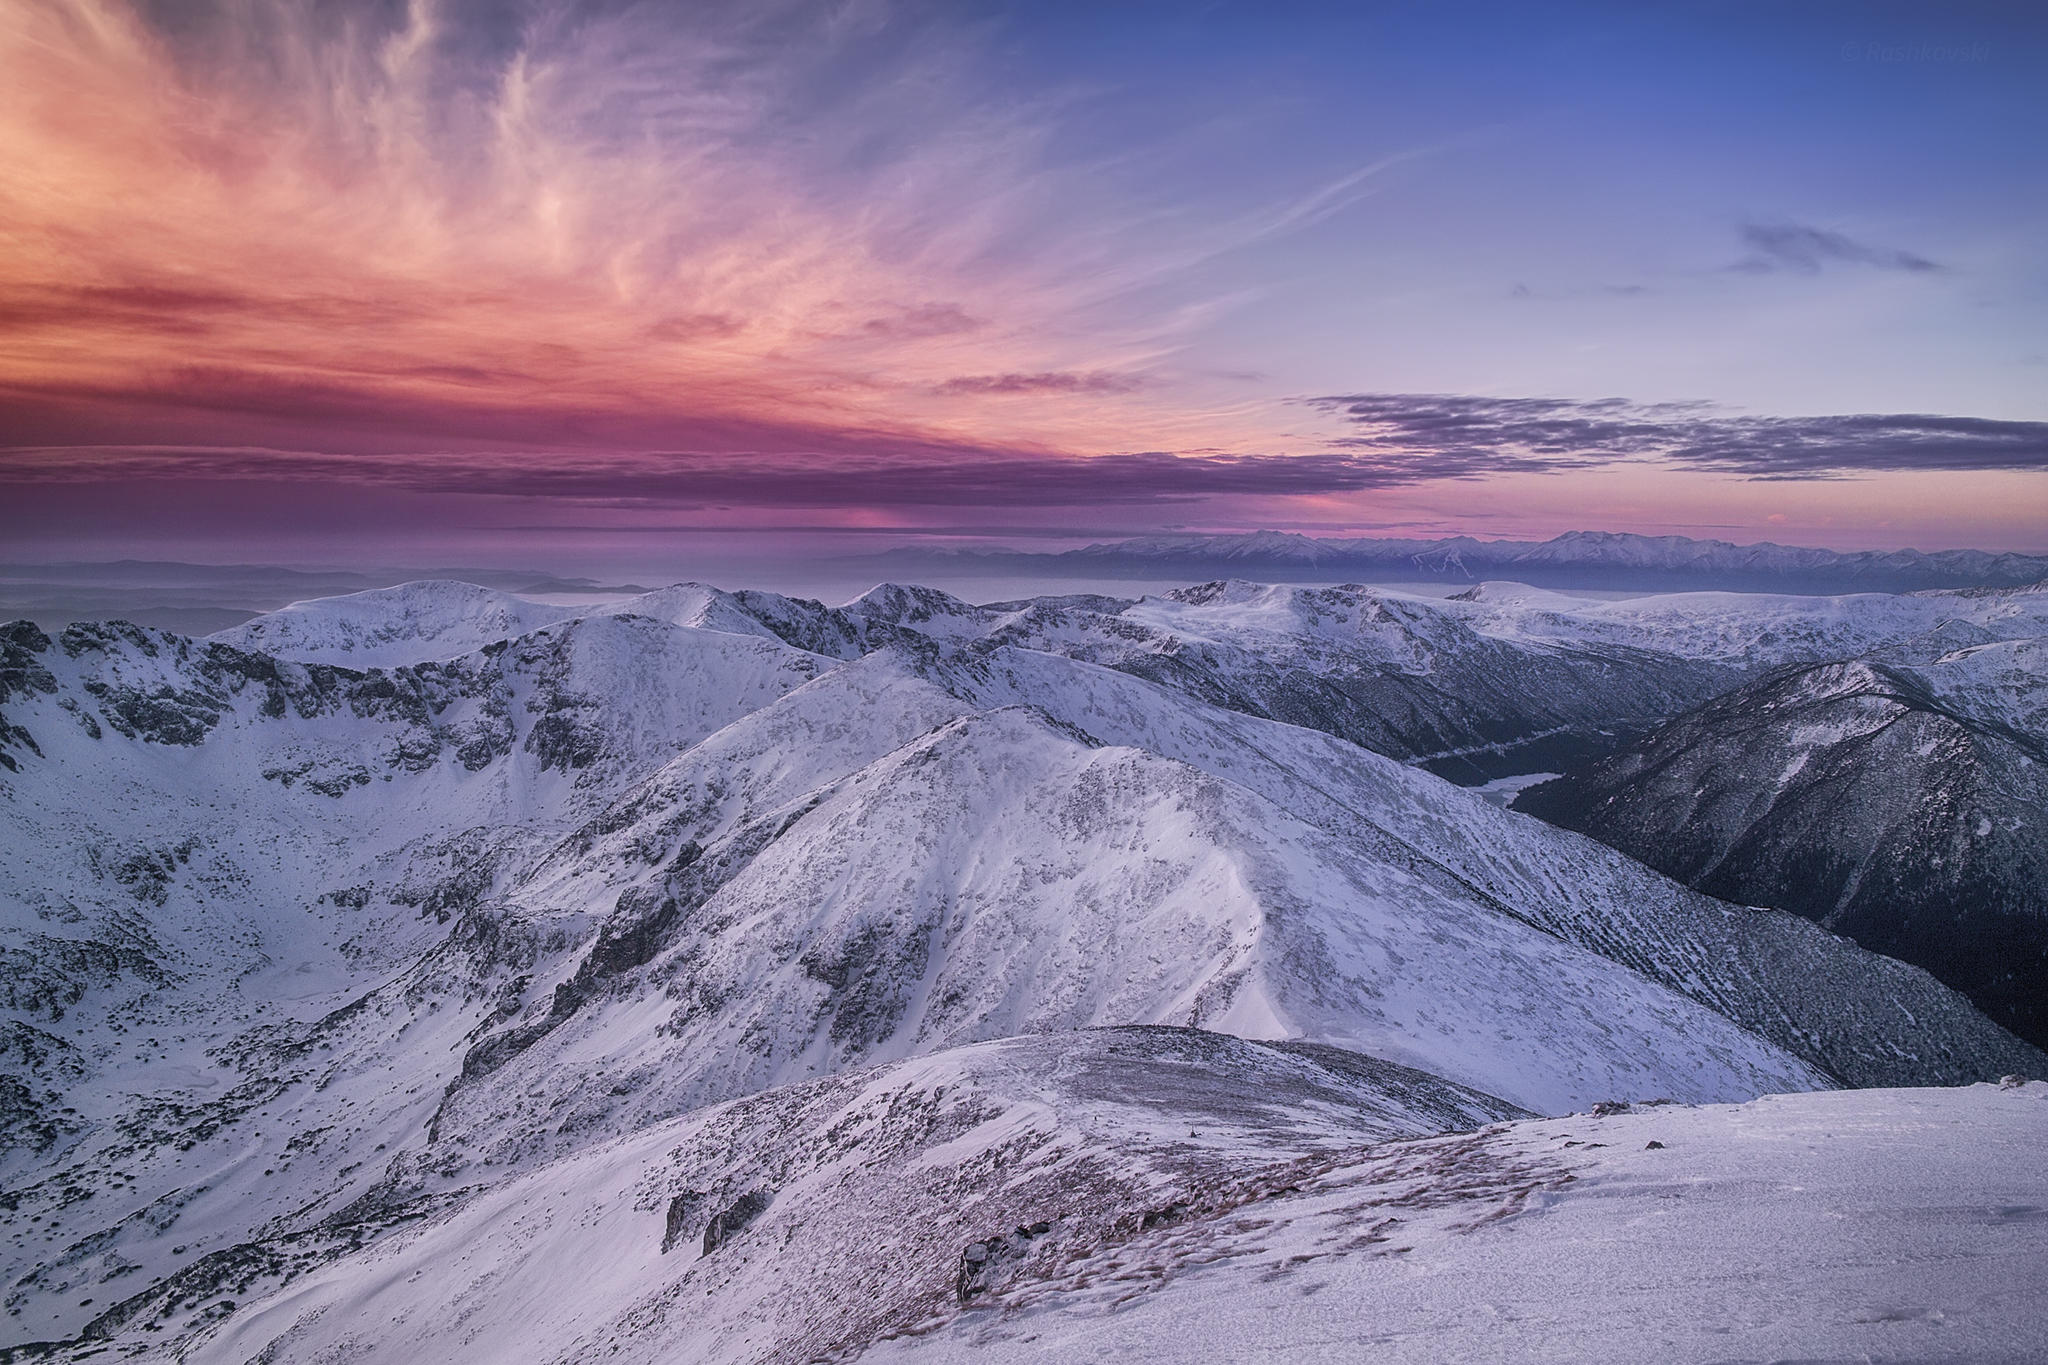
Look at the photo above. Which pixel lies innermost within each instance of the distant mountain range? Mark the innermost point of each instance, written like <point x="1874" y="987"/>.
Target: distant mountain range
<point x="1580" y="559"/>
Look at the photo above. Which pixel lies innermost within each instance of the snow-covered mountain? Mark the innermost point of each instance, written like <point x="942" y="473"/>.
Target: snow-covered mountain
<point x="1758" y="631"/>
<point x="1906" y="807"/>
<point x="1402" y="675"/>
<point x="1582" y="559"/>
<point x="1501" y="679"/>
<point x="303" y="948"/>
<point x="440" y="619"/>
<point x="406" y="624"/>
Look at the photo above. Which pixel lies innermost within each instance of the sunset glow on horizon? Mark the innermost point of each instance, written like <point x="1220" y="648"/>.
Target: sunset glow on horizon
<point x="429" y="271"/>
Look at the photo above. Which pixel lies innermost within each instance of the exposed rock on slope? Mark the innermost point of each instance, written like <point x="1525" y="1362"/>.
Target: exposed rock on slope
<point x="1849" y="794"/>
<point x="1398" y="675"/>
<point x="1882" y="1225"/>
<point x="851" y="1207"/>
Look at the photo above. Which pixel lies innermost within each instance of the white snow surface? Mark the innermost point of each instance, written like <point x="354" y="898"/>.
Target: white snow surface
<point x="1280" y="1223"/>
<point x="408" y="623"/>
<point x="876" y="1182"/>
<point x="1866" y="1225"/>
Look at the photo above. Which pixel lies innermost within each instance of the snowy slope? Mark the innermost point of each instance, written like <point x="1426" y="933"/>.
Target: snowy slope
<point x="870" y="1185"/>
<point x="755" y="938"/>
<point x="194" y="836"/>
<point x="1000" y="876"/>
<point x="926" y="610"/>
<point x="1501" y="679"/>
<point x="691" y="604"/>
<point x="1168" y="1196"/>
<point x="1775" y="975"/>
<point x="435" y="619"/>
<point x="2004" y="682"/>
<point x="1403" y="675"/>
<point x="1867" y="1225"/>
<point x="407" y="624"/>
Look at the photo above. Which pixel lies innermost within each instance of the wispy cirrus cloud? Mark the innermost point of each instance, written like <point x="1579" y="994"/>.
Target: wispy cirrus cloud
<point x="923" y="320"/>
<point x="1046" y="381"/>
<point x="623" y="217"/>
<point x="1459" y="435"/>
<point x="1796" y="248"/>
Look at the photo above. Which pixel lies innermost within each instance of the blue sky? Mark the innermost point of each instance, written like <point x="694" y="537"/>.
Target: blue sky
<point x="1577" y="183"/>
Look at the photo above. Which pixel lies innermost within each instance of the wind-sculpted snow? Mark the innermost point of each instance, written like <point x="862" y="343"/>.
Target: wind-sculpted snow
<point x="1175" y="1196"/>
<point x="1848" y="793"/>
<point x="1873" y="1225"/>
<point x="296" y="955"/>
<point x="811" y="1219"/>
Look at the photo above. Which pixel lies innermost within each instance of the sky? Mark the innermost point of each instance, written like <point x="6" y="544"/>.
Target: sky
<point x="335" y="281"/>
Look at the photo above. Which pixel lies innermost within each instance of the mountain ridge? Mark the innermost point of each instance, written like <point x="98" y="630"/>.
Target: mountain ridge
<point x="1586" y="559"/>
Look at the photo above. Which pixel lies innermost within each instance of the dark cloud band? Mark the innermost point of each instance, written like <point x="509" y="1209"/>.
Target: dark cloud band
<point x="1394" y="440"/>
<point x="681" y="480"/>
<point x="1453" y="436"/>
<point x="1807" y="250"/>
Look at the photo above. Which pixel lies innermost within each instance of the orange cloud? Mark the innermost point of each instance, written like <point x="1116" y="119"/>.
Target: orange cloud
<point x="605" y="224"/>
